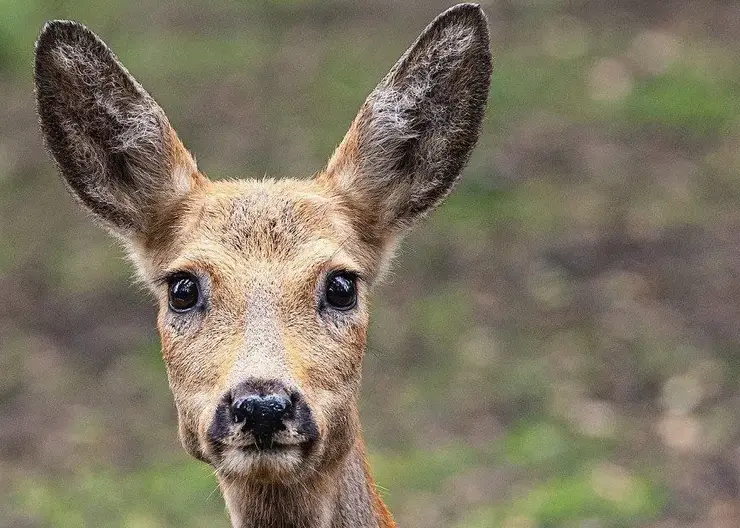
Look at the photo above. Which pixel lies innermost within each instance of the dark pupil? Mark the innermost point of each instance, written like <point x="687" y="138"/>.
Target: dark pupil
<point x="183" y="293"/>
<point x="340" y="291"/>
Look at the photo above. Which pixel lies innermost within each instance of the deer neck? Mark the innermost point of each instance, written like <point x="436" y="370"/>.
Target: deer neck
<point x="344" y="498"/>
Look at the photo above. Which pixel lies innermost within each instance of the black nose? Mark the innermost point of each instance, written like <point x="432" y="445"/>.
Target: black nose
<point x="261" y="410"/>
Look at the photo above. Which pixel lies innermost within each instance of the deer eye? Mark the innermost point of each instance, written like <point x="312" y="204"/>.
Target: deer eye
<point x="183" y="293"/>
<point x="341" y="290"/>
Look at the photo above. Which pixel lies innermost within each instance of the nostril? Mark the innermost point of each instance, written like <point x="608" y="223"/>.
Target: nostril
<point x="275" y="405"/>
<point x="243" y="408"/>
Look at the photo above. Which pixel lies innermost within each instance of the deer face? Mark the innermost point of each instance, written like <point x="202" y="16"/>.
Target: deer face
<point x="263" y="318"/>
<point x="263" y="285"/>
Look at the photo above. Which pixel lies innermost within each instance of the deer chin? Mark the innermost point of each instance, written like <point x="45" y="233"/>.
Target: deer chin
<point x="281" y="463"/>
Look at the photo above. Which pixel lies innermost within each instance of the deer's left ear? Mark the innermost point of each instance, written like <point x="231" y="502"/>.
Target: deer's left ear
<point x="411" y="138"/>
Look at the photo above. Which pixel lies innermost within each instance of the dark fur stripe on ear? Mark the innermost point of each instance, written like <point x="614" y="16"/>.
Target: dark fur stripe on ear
<point x="113" y="144"/>
<point x="415" y="132"/>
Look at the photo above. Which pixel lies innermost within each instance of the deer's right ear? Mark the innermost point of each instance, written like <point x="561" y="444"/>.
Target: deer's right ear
<point x="113" y="144"/>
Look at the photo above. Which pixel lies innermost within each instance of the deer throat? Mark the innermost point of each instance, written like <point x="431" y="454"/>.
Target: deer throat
<point x="343" y="499"/>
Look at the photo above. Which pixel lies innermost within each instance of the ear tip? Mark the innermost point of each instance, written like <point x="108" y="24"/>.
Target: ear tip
<point x="61" y="25"/>
<point x="62" y="31"/>
<point x="472" y="13"/>
<point x="468" y="16"/>
<point x="55" y="30"/>
<point x="57" y="33"/>
<point x="467" y="7"/>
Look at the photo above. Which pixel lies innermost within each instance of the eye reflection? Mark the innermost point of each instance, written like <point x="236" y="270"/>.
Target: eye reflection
<point x="341" y="290"/>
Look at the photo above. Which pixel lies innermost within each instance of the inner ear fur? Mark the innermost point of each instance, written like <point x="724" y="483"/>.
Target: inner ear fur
<point x="113" y="144"/>
<point x="406" y="148"/>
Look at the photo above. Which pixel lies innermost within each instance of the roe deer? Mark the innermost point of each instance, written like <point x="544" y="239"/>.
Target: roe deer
<point x="263" y="284"/>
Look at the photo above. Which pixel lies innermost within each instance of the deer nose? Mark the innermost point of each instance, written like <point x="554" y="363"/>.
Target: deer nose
<point x="262" y="413"/>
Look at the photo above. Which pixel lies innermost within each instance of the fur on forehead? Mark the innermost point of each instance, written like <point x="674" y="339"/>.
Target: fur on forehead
<point x="258" y="219"/>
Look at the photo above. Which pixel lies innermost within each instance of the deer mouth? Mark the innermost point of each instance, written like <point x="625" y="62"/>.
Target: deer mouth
<point x="262" y="447"/>
<point x="245" y="454"/>
<point x="276" y="463"/>
<point x="273" y="447"/>
<point x="267" y="450"/>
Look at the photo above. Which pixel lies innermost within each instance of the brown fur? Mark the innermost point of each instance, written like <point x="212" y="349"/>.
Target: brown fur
<point x="261" y="249"/>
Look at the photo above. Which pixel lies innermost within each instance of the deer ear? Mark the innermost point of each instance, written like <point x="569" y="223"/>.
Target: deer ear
<point x="112" y="143"/>
<point x="411" y="138"/>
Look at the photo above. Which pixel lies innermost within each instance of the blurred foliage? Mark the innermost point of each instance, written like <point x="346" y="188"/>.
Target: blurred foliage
<point x="558" y="344"/>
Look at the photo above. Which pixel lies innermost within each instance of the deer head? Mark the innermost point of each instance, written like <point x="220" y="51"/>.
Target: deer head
<point x="263" y="285"/>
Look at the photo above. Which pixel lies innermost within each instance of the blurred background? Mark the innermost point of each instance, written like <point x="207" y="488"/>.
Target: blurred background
<point x="558" y="344"/>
